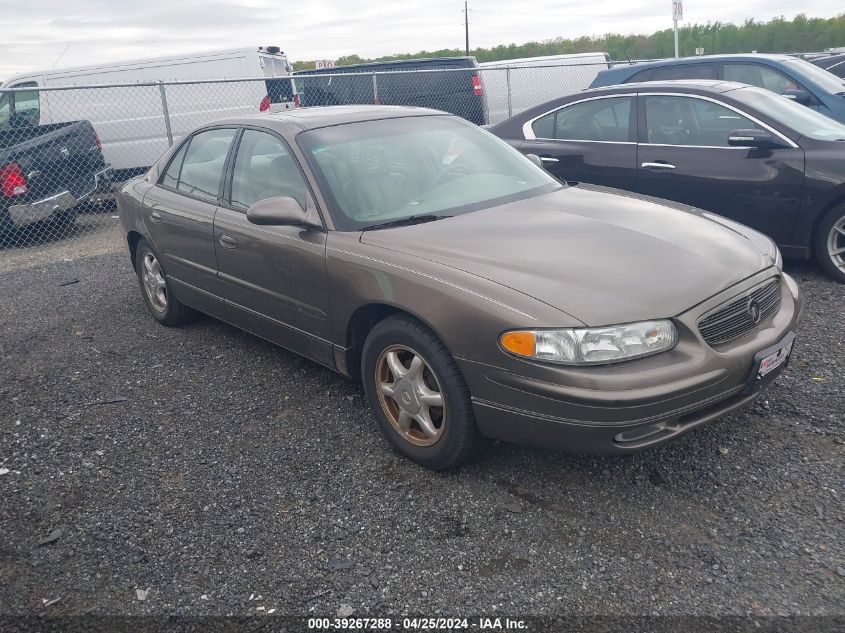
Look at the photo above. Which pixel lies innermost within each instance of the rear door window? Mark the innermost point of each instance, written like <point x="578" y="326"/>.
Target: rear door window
<point x="202" y="167"/>
<point x="643" y="75"/>
<point x="685" y="71"/>
<point x="544" y="127"/>
<point x="171" y="176"/>
<point x="595" y="120"/>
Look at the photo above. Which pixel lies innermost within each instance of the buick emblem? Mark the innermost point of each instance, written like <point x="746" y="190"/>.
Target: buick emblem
<point x="754" y="311"/>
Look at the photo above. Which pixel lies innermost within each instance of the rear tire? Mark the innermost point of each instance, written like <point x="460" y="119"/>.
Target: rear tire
<point x="417" y="394"/>
<point x="64" y="222"/>
<point x="156" y="290"/>
<point x="830" y="243"/>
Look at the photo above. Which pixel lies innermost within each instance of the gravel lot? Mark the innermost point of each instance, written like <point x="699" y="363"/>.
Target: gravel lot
<point x="94" y="233"/>
<point x="227" y="476"/>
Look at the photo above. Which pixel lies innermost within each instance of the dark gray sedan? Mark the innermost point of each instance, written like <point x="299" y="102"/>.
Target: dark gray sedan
<point x="743" y="152"/>
<point x="471" y="293"/>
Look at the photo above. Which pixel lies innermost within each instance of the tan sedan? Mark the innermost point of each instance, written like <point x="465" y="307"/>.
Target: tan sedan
<point x="471" y="293"/>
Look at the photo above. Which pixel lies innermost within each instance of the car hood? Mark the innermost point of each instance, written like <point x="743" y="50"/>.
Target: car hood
<point x="601" y="257"/>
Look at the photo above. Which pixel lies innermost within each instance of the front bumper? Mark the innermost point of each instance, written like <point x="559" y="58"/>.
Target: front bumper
<point x="628" y="406"/>
<point x="24" y="214"/>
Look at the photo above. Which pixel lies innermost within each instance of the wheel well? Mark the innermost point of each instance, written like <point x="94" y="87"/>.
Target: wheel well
<point x="362" y="321"/>
<point x="833" y="203"/>
<point x="132" y="239"/>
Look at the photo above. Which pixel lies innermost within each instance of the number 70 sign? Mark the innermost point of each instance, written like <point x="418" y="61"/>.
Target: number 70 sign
<point x="677" y="10"/>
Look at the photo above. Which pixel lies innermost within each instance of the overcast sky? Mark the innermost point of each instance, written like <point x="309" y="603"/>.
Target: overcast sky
<point x="35" y="32"/>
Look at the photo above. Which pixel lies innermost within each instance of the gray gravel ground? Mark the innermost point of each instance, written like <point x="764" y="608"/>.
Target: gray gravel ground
<point x="224" y="475"/>
<point x="94" y="233"/>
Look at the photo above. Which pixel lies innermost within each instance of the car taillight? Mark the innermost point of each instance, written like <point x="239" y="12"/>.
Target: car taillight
<point x="12" y="182"/>
<point x="295" y="101"/>
<point x="476" y="85"/>
<point x="98" y="141"/>
<point x="265" y="104"/>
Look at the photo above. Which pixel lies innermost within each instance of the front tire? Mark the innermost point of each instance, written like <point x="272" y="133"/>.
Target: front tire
<point x="156" y="290"/>
<point x="417" y="394"/>
<point x="830" y="243"/>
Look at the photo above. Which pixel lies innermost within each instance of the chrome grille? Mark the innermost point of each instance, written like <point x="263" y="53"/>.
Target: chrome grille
<point x="734" y="320"/>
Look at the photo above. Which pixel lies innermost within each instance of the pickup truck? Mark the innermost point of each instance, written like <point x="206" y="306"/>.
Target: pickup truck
<point x="45" y="170"/>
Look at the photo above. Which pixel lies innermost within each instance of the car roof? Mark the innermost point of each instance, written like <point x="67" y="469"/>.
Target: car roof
<point x="701" y="59"/>
<point x="620" y="73"/>
<point x="324" y="116"/>
<point x="691" y="85"/>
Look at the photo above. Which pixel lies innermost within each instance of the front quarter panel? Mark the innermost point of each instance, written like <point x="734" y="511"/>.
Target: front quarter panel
<point x="468" y="313"/>
<point x="824" y="185"/>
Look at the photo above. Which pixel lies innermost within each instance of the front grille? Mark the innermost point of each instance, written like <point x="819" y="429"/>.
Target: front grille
<point x="733" y="320"/>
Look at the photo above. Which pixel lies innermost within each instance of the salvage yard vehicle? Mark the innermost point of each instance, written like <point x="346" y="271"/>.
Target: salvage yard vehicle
<point x="535" y="80"/>
<point x="793" y="78"/>
<point x="737" y="150"/>
<point x="45" y="170"/>
<point x="834" y="64"/>
<point x="471" y="293"/>
<point x="450" y="84"/>
<point x="130" y="120"/>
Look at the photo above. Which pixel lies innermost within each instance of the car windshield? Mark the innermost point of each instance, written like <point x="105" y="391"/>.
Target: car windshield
<point x="805" y="121"/>
<point x="827" y="81"/>
<point x="374" y="172"/>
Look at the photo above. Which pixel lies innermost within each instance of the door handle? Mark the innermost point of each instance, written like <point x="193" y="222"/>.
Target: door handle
<point x="549" y="159"/>
<point x="658" y="166"/>
<point x="155" y="216"/>
<point x="227" y="241"/>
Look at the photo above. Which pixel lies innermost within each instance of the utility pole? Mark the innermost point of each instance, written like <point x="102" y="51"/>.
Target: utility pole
<point x="466" y="26"/>
<point x="676" y="39"/>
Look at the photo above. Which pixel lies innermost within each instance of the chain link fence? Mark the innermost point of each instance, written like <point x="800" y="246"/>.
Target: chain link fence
<point x="65" y="150"/>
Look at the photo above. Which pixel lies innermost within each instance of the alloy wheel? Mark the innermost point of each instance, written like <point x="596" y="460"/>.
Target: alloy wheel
<point x="836" y="244"/>
<point x="154" y="283"/>
<point x="410" y="395"/>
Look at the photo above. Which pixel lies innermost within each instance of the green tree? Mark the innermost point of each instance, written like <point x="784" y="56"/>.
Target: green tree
<point x="778" y="35"/>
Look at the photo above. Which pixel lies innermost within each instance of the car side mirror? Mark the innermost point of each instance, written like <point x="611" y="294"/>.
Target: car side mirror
<point x="278" y="211"/>
<point x="798" y="96"/>
<point x="535" y="159"/>
<point x="751" y="138"/>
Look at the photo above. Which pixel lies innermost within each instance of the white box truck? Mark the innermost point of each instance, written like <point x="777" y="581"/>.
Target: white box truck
<point x="535" y="80"/>
<point x="130" y="121"/>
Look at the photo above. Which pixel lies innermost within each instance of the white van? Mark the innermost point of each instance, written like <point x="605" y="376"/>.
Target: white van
<point x="535" y="80"/>
<point x="130" y="120"/>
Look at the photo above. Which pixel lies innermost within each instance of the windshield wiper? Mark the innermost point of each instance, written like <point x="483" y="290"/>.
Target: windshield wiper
<point x="411" y="219"/>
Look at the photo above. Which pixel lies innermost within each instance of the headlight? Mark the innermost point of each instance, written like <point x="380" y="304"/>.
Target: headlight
<point x="592" y="346"/>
